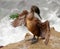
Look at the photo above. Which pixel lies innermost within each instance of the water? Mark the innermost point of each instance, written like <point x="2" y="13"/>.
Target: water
<point x="9" y="34"/>
<point x="50" y="9"/>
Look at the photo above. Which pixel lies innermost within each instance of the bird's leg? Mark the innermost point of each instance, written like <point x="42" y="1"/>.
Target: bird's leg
<point x="34" y="37"/>
<point x="34" y="40"/>
<point x="37" y="38"/>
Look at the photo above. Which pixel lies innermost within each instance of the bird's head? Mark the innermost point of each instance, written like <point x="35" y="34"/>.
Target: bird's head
<point x="35" y="9"/>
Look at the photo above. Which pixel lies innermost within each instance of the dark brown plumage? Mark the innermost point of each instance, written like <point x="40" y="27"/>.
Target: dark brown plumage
<point x="34" y="25"/>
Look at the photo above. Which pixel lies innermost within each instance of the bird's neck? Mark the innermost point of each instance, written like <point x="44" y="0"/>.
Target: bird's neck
<point x="31" y="16"/>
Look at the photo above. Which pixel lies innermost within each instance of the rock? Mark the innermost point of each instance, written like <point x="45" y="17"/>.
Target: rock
<point x="27" y="35"/>
<point x="54" y="43"/>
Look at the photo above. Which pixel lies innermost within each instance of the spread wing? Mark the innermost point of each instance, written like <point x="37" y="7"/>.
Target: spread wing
<point x="21" y="19"/>
<point x="44" y="29"/>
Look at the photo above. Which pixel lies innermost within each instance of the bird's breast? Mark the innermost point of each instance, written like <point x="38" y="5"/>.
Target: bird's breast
<point x="30" y="25"/>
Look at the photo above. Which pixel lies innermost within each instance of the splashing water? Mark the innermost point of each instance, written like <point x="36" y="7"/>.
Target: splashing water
<point x="9" y="34"/>
<point x="54" y="20"/>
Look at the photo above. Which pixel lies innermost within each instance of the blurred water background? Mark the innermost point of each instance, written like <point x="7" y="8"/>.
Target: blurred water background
<point x="50" y="10"/>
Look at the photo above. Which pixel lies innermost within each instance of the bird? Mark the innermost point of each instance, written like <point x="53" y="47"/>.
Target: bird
<point x="34" y="25"/>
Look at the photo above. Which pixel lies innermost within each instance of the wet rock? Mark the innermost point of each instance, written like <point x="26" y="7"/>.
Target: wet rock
<point x="28" y="36"/>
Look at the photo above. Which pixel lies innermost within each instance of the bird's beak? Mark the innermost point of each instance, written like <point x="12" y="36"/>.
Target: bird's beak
<point x="40" y="16"/>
